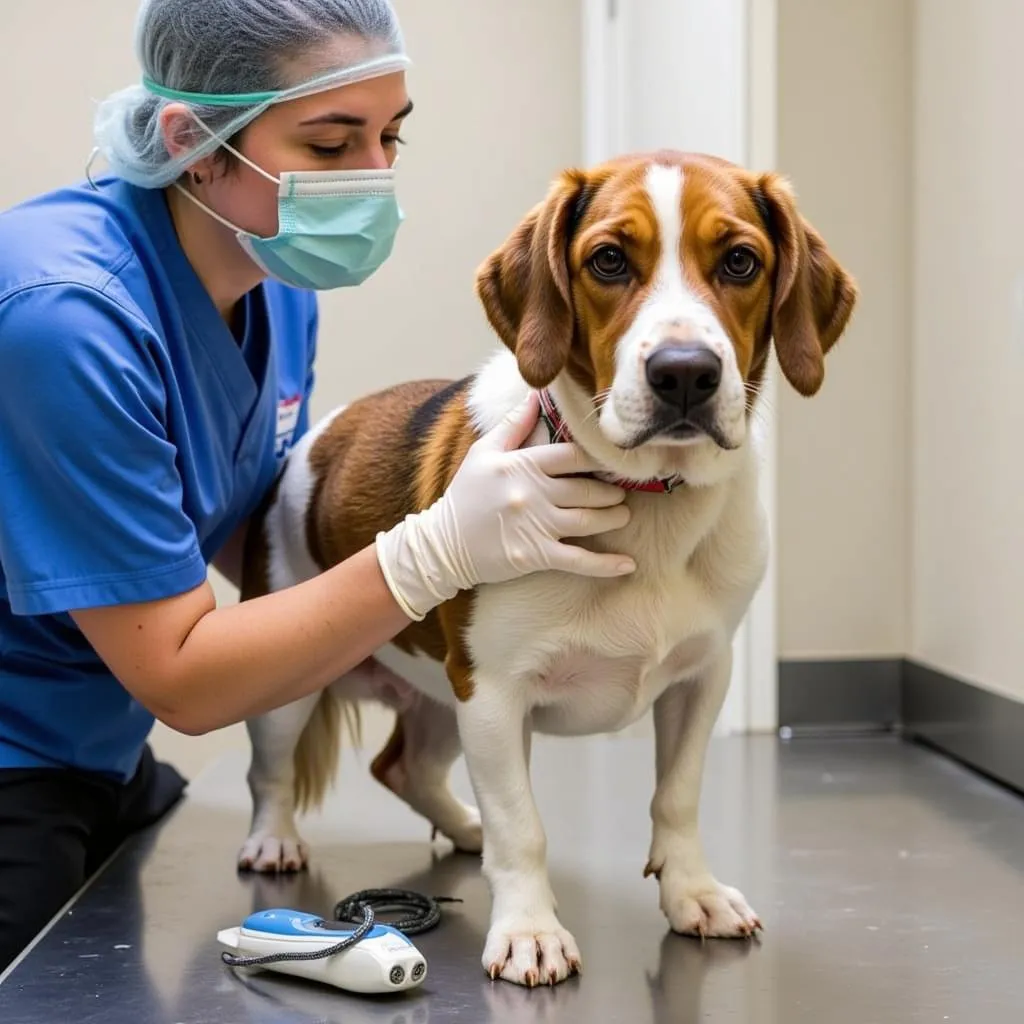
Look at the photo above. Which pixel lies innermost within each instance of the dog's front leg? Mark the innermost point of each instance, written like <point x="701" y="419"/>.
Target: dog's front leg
<point x="693" y="900"/>
<point x="526" y="943"/>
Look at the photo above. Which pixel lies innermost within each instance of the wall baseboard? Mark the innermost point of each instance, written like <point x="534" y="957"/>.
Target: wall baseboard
<point x="981" y="729"/>
<point x="840" y="694"/>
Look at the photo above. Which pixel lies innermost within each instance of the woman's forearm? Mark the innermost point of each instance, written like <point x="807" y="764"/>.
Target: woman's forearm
<point x="198" y="667"/>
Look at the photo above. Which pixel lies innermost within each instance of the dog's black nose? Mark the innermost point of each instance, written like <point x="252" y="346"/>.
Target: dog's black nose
<point x="684" y="375"/>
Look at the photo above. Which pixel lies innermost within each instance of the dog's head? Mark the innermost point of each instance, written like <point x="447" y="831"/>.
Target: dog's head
<point x="647" y="293"/>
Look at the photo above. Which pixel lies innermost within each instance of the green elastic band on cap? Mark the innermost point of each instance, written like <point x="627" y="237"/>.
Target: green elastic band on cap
<point x="210" y="99"/>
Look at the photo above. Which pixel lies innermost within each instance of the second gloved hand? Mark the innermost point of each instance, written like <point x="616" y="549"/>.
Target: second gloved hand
<point x="504" y="515"/>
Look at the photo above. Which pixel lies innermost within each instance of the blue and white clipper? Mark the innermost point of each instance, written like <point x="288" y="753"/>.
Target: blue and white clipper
<point x="382" y="961"/>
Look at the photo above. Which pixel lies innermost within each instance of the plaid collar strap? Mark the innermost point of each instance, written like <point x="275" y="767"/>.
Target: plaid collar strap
<point x="559" y="431"/>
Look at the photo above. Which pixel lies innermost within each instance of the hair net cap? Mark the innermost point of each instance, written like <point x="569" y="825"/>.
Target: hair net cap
<point x="228" y="61"/>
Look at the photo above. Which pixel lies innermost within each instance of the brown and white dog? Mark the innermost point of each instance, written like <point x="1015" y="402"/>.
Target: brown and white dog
<point x="641" y="297"/>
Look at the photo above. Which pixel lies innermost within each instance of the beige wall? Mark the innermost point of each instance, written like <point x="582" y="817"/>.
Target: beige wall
<point x="968" y="342"/>
<point x="497" y="89"/>
<point x="844" y="139"/>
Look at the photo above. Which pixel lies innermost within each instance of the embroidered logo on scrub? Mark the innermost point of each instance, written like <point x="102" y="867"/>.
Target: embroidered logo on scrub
<point x="287" y="421"/>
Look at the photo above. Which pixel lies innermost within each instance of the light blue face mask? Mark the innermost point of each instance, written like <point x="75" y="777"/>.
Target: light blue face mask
<point x="334" y="228"/>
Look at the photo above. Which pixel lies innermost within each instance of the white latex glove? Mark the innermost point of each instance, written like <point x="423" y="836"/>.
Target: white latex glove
<point x="503" y="516"/>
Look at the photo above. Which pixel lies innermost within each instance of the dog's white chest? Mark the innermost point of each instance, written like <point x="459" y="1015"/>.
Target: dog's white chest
<point x="586" y="656"/>
<point x="586" y="693"/>
<point x="593" y="655"/>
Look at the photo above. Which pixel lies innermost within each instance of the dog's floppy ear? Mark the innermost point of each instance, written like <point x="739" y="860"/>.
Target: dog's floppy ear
<point x="524" y="285"/>
<point x="814" y="295"/>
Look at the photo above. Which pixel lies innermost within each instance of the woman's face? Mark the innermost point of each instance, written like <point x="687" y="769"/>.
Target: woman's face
<point x="353" y="127"/>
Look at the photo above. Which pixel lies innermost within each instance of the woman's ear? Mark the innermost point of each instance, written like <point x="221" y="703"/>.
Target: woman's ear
<point x="524" y="285"/>
<point x="814" y="295"/>
<point x="178" y="128"/>
<point x="181" y="133"/>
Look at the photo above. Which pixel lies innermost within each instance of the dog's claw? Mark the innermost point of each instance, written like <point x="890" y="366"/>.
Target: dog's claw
<point x="531" y="955"/>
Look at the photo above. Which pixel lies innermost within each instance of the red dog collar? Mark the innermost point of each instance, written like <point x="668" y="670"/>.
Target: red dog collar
<point x="559" y="431"/>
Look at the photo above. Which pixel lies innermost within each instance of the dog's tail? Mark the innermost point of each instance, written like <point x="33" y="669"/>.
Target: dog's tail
<point x="318" y="751"/>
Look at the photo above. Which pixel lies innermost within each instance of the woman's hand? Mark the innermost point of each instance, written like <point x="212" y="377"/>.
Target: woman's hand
<point x="505" y="515"/>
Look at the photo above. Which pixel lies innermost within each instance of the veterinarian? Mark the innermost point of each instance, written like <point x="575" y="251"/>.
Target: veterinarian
<point x="158" y="326"/>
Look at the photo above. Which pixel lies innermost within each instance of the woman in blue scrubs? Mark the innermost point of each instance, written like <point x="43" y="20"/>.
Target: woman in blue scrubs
<point x="158" y="327"/>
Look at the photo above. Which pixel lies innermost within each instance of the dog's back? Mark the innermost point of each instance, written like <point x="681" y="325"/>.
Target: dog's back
<point x="365" y="465"/>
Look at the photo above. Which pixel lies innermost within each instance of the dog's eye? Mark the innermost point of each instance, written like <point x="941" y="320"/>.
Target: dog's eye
<point x="609" y="263"/>
<point x="740" y="264"/>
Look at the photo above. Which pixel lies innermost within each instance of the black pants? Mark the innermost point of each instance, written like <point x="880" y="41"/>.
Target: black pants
<point x="57" y="827"/>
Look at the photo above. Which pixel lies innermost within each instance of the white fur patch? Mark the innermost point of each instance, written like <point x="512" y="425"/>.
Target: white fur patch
<point x="427" y="675"/>
<point x="497" y="389"/>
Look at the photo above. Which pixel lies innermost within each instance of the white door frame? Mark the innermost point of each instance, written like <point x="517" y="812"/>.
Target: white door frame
<point x="741" y="126"/>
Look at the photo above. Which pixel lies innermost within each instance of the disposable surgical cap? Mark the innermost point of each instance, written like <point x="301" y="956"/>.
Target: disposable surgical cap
<point x="228" y="61"/>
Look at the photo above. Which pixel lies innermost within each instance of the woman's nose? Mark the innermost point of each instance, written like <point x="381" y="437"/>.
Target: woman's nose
<point x="377" y="159"/>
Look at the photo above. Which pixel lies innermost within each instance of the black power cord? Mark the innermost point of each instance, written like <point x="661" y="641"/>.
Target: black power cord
<point x="362" y="907"/>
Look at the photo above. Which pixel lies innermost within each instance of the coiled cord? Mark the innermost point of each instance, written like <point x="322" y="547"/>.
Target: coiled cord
<point x="424" y="913"/>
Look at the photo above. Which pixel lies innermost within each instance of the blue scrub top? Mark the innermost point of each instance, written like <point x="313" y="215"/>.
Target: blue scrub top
<point x="136" y="433"/>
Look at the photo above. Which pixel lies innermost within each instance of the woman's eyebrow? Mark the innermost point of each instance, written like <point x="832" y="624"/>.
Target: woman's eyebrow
<point x="350" y="119"/>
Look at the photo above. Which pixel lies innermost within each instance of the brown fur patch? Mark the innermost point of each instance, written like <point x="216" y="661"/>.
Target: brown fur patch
<point x="525" y="288"/>
<point x="719" y="214"/>
<point x="455" y="616"/>
<point x="619" y="214"/>
<point x="814" y="296"/>
<point x="384" y="457"/>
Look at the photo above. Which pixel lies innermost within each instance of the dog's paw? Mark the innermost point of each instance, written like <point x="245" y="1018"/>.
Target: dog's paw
<point x="704" y="907"/>
<point x="529" y="952"/>
<point x="465" y="832"/>
<point x="273" y="853"/>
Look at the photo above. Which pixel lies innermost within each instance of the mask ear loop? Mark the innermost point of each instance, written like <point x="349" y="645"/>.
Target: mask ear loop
<point x="88" y="168"/>
<point x="206" y="209"/>
<point x="234" y="152"/>
<point x="231" y="149"/>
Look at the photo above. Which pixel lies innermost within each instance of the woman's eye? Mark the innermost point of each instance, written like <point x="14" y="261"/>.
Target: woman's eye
<point x="609" y="263"/>
<point x="328" y="151"/>
<point x="392" y="140"/>
<point x="740" y="264"/>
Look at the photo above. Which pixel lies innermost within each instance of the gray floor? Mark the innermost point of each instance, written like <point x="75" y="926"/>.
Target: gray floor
<point x="890" y="882"/>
